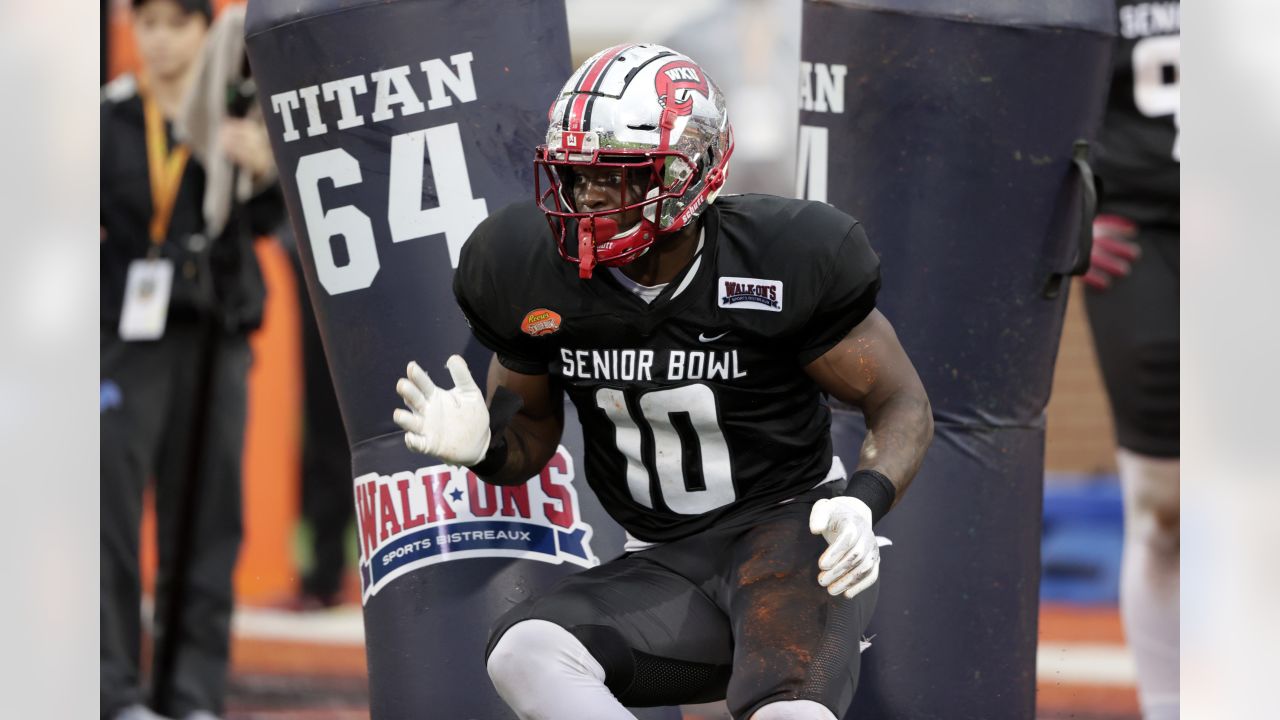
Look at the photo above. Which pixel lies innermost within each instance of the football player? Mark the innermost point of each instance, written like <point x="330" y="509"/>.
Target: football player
<point x="696" y="335"/>
<point x="1132" y="302"/>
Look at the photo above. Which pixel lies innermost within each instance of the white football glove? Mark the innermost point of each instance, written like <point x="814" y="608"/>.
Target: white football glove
<point x="452" y="425"/>
<point x="851" y="562"/>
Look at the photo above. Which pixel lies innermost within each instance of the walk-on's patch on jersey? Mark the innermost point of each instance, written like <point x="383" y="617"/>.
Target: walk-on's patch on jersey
<point x="411" y="519"/>
<point x="741" y="293"/>
<point x="693" y="412"/>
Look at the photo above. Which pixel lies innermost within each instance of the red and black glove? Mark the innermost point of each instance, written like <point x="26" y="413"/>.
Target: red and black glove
<point x="1114" y="251"/>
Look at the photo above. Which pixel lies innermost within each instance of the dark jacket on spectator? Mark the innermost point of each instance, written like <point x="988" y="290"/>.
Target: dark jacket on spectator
<point x="219" y="278"/>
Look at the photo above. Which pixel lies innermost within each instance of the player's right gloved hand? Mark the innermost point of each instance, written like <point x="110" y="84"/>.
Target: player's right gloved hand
<point x="1114" y="250"/>
<point x="452" y="425"/>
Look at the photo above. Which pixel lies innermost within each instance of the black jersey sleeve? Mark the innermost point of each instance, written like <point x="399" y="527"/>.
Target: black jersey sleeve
<point x="487" y="274"/>
<point x="507" y="349"/>
<point x="847" y="295"/>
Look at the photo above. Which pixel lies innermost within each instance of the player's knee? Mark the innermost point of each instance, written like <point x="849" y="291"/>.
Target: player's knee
<point x="1152" y="501"/>
<point x="511" y="654"/>
<point x="532" y="649"/>
<point x="1165" y="514"/>
<point x="503" y="661"/>
<point x="793" y="710"/>
<point x="1156" y="526"/>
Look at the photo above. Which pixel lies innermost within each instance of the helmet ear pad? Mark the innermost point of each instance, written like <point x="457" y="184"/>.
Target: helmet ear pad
<point x="650" y="210"/>
<point x="673" y="175"/>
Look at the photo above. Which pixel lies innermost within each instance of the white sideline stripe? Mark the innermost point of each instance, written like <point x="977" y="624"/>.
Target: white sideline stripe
<point x="339" y="626"/>
<point x="1067" y="663"/>
<point x="1084" y="664"/>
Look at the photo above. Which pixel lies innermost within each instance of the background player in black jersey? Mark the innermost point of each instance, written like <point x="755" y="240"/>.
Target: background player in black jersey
<point x="1132" y="303"/>
<point x="695" y="340"/>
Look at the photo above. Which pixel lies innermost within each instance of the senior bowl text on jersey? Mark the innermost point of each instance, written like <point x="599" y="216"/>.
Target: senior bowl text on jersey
<point x="415" y="518"/>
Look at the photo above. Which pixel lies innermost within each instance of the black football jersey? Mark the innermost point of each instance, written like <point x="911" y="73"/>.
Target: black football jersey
<point x="696" y="407"/>
<point x="1137" y="156"/>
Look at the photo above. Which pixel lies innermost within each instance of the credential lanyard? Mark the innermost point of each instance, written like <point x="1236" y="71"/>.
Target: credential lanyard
<point x="164" y="167"/>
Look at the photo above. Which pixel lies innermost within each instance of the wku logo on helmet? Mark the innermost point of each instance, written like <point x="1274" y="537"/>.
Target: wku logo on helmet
<point x="676" y="81"/>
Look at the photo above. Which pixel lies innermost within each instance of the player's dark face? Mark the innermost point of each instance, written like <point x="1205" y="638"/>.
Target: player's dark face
<point x="597" y="189"/>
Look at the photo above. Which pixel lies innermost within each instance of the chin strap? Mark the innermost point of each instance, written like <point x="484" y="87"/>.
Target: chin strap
<point x="586" y="231"/>
<point x="586" y="254"/>
<point x="588" y="228"/>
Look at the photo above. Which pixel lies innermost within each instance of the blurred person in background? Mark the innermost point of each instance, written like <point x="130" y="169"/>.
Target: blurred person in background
<point x="184" y="190"/>
<point x="1132" y="302"/>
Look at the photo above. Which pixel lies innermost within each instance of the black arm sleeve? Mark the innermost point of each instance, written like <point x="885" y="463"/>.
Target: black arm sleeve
<point x="847" y="296"/>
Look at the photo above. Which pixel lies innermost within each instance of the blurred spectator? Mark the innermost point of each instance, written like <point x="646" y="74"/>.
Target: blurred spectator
<point x="184" y="190"/>
<point x="1132" y="301"/>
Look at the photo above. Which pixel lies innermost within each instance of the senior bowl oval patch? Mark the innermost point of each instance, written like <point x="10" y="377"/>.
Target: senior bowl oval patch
<point x="541" y="322"/>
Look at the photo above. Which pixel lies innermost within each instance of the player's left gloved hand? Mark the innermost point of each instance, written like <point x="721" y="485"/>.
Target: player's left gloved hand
<point x="851" y="562"/>
<point x="452" y="425"/>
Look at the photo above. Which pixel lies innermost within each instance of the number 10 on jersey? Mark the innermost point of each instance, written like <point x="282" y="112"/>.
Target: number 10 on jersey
<point x="690" y="457"/>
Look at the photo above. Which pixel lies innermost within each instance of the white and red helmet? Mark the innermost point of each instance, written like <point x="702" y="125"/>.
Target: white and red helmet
<point x="643" y="109"/>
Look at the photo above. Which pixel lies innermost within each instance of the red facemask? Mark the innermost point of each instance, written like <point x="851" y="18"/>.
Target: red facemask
<point x="598" y="241"/>
<point x="597" y="234"/>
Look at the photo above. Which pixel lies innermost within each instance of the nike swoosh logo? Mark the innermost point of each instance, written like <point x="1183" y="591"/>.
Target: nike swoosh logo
<point x="703" y="338"/>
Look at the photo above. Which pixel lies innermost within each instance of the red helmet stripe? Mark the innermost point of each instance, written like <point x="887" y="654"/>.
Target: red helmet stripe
<point x="591" y="79"/>
<point x="576" y="110"/>
<point x="589" y="83"/>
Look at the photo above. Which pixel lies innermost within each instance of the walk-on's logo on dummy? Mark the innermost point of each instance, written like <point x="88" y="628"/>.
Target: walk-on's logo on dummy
<point x="541" y="322"/>
<point x="440" y="513"/>
<point x="741" y="293"/>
